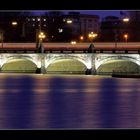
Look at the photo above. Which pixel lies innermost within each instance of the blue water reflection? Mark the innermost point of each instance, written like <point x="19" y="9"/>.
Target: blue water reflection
<point x="109" y="103"/>
<point x="66" y="108"/>
<point x="68" y="102"/>
<point x="18" y="102"/>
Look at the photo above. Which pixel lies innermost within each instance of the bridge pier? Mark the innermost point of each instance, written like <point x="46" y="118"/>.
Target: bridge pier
<point x="88" y="71"/>
<point x="93" y="71"/>
<point x="38" y="70"/>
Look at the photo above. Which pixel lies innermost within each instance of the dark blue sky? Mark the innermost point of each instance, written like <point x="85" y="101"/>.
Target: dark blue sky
<point x="101" y="13"/>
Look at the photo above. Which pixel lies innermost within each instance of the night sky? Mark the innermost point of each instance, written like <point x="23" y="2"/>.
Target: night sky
<point x="101" y="13"/>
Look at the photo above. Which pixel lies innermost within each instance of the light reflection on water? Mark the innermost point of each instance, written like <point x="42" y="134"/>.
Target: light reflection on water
<point x="48" y="102"/>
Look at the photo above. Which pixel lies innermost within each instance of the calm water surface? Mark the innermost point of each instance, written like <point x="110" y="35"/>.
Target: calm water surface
<point x="68" y="102"/>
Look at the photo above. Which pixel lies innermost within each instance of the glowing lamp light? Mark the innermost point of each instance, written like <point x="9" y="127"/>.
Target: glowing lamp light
<point x="41" y="35"/>
<point x="73" y="42"/>
<point x="92" y="35"/>
<point x="14" y="23"/>
<point x="81" y="37"/>
<point x="125" y="36"/>
<point x="126" y="19"/>
<point x="69" y="21"/>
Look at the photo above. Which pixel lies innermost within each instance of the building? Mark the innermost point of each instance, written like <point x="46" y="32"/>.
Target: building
<point x="82" y="24"/>
<point x="111" y="29"/>
<point x="89" y="23"/>
<point x="114" y="28"/>
<point x="58" y="27"/>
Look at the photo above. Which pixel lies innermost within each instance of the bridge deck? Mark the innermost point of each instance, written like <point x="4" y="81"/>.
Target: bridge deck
<point x="132" y="47"/>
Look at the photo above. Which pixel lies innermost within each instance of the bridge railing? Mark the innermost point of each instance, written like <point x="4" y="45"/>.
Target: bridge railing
<point x="68" y="48"/>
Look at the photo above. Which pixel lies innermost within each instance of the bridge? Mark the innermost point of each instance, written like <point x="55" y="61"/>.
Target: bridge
<point x="92" y="60"/>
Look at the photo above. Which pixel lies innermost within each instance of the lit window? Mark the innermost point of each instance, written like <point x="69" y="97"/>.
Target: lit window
<point x="44" y="19"/>
<point x="126" y="19"/>
<point x="60" y="30"/>
<point x="33" y="19"/>
<point x="69" y="21"/>
<point x="38" y="19"/>
<point x="14" y="23"/>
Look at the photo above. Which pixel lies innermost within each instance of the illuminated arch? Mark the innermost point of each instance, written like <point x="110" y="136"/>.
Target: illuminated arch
<point x="21" y="64"/>
<point x="68" y="65"/>
<point x="107" y="65"/>
<point x="128" y="58"/>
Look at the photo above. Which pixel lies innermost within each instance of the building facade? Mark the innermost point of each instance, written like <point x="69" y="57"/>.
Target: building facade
<point x="89" y="23"/>
<point x="57" y="26"/>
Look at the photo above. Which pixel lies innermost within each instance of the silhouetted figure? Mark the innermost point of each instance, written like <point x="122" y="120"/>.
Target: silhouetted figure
<point x="91" y="48"/>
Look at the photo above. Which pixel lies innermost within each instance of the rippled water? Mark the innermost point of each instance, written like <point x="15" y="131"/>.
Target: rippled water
<point x="68" y="102"/>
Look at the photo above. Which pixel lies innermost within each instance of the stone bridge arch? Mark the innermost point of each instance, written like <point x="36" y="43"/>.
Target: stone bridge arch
<point x="12" y="57"/>
<point x="83" y="59"/>
<point x="57" y="59"/>
<point x="133" y="59"/>
<point x="32" y="64"/>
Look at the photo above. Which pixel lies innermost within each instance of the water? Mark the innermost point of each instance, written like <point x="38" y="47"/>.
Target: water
<point x="68" y="102"/>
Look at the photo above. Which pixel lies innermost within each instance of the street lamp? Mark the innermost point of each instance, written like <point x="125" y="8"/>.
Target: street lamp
<point x="41" y="36"/>
<point x="125" y="37"/>
<point x="81" y="38"/>
<point x="126" y="20"/>
<point x="92" y="35"/>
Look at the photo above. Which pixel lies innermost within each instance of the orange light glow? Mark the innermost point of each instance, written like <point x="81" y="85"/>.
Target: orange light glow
<point x="81" y="37"/>
<point x="125" y="36"/>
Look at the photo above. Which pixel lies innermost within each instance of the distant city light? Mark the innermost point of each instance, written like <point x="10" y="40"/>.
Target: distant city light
<point x="41" y="35"/>
<point x="60" y="30"/>
<point x="14" y="23"/>
<point x="44" y="19"/>
<point x="69" y="21"/>
<point x="73" y="42"/>
<point x="126" y="19"/>
<point x="38" y="19"/>
<point x="126" y="37"/>
<point x="33" y="19"/>
<point x="81" y="37"/>
<point x="92" y="35"/>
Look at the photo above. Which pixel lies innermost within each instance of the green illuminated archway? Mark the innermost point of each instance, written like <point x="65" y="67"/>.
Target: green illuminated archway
<point x="66" y="66"/>
<point x="19" y="65"/>
<point x="118" y="66"/>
